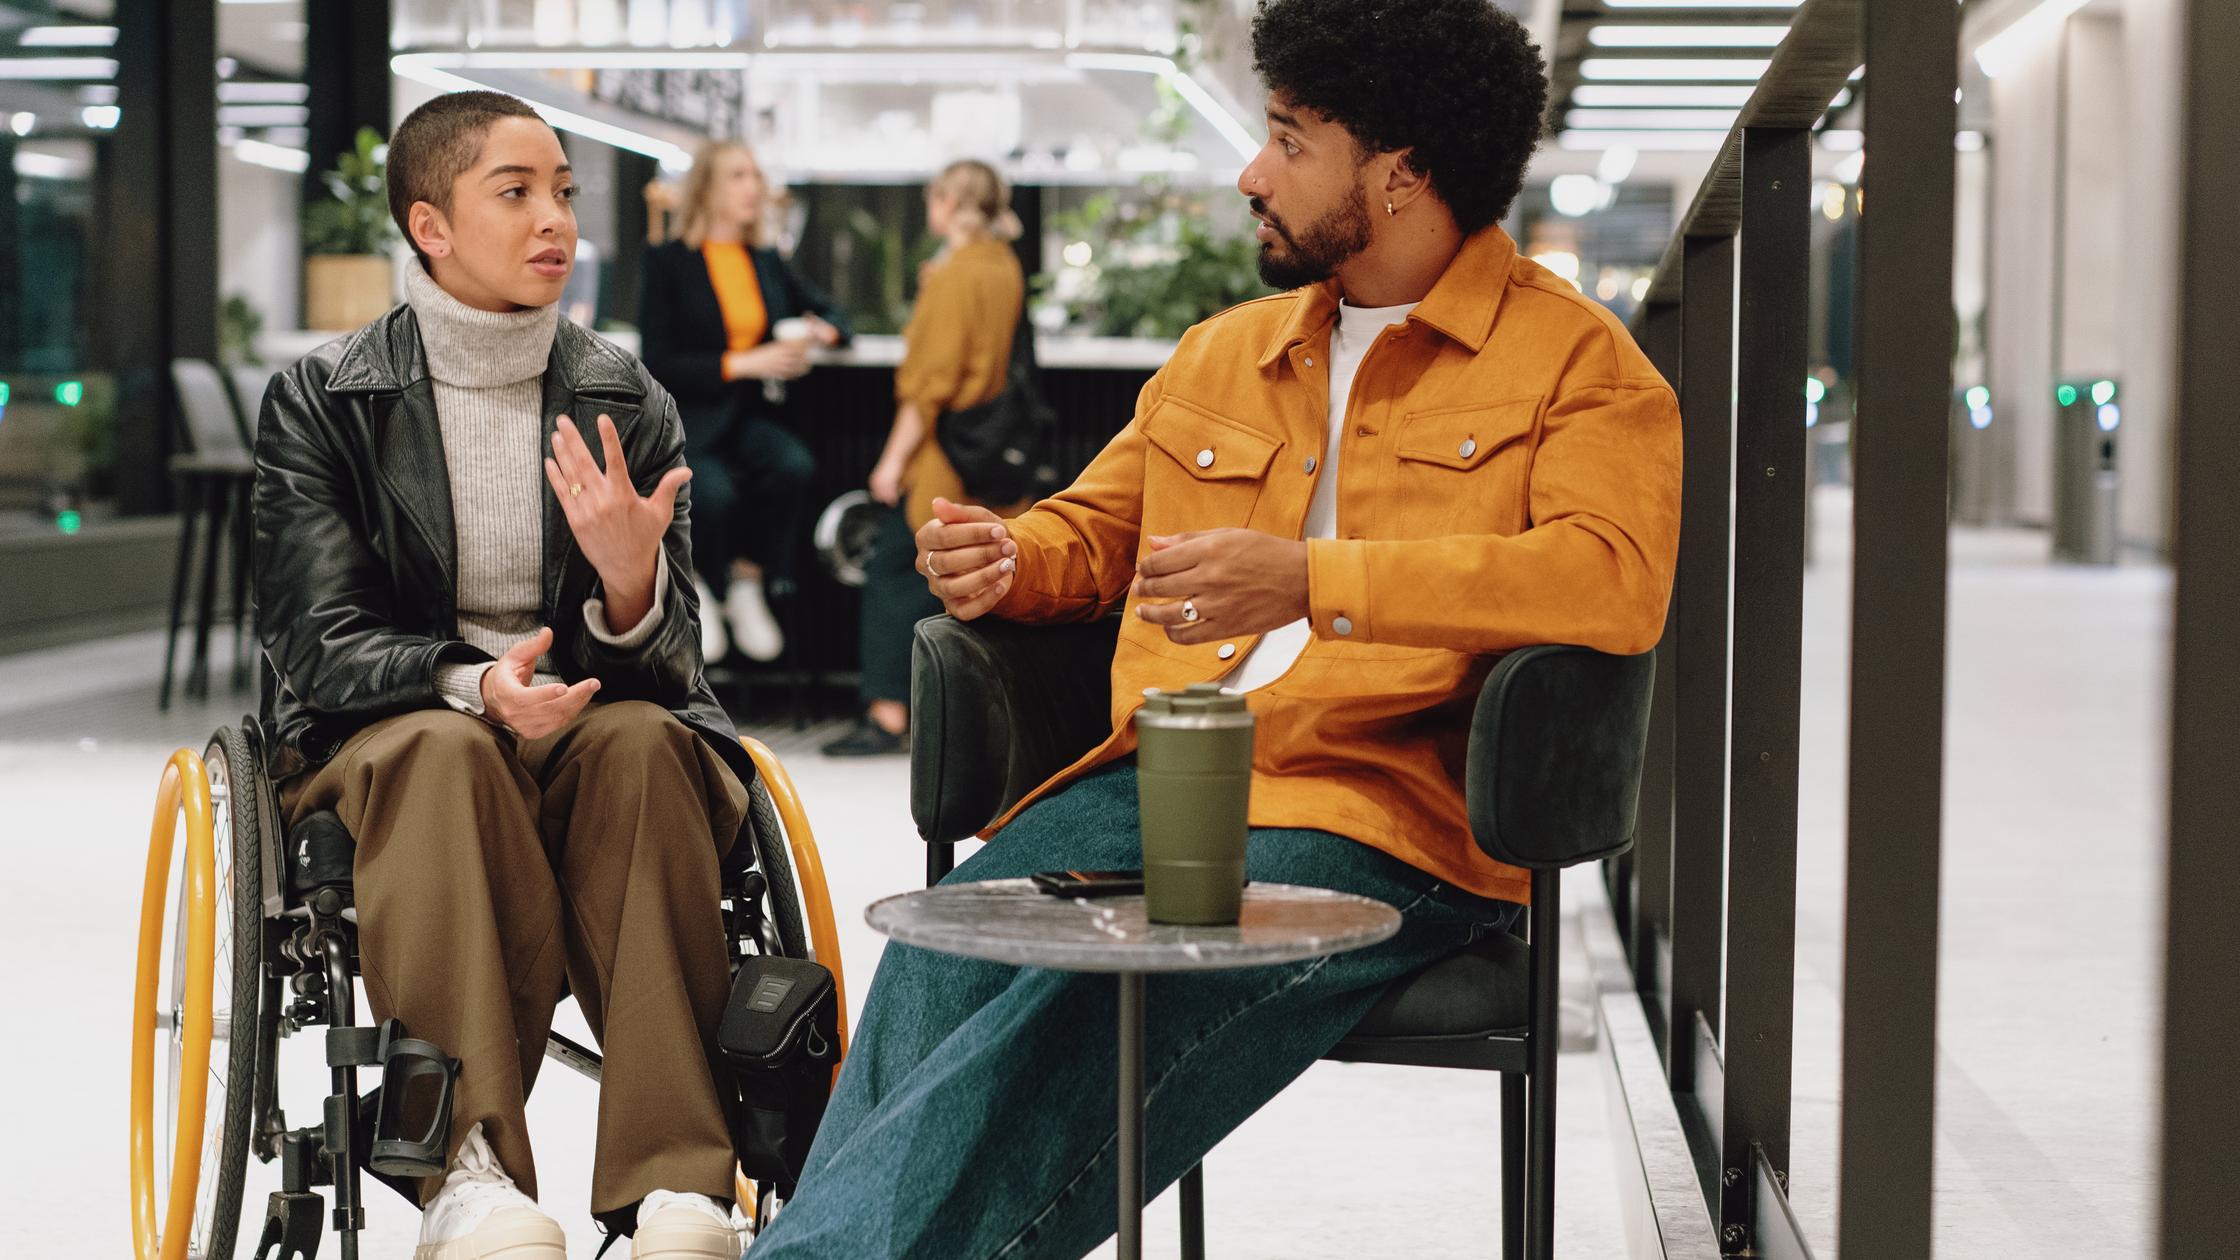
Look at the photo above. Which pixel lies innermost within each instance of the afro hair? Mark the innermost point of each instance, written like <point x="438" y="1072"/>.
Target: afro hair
<point x="1458" y="83"/>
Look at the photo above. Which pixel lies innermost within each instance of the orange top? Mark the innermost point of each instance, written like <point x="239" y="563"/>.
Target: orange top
<point x="738" y="292"/>
<point x="1510" y="475"/>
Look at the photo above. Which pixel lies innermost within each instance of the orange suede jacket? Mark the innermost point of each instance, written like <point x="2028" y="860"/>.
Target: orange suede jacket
<point x="1510" y="475"/>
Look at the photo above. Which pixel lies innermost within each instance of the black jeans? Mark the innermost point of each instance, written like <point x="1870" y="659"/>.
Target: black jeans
<point x="750" y="491"/>
<point x="895" y="598"/>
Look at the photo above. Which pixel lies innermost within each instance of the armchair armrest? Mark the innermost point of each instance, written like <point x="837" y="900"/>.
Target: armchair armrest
<point x="1556" y="744"/>
<point x="996" y="708"/>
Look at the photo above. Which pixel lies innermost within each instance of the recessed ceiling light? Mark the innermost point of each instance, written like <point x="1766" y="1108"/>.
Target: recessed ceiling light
<point x="1661" y="96"/>
<point x="1646" y="141"/>
<point x="1687" y="36"/>
<point x="67" y="37"/>
<point x="1650" y="119"/>
<point x="1683" y="68"/>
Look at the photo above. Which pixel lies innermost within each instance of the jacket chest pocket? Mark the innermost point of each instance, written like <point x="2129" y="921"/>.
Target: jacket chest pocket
<point x="1464" y="470"/>
<point x="1202" y="472"/>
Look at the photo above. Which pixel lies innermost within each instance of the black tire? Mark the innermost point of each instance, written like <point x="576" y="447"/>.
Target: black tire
<point x="235" y="771"/>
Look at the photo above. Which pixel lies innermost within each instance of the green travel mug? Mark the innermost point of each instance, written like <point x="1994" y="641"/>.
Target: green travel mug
<point x="1194" y="785"/>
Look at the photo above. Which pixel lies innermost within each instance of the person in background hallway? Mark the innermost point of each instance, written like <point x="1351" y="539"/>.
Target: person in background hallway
<point x="956" y="354"/>
<point x="489" y="670"/>
<point x="1347" y="501"/>
<point x="725" y="322"/>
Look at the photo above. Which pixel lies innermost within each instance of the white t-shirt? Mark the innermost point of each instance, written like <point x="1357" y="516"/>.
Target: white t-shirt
<point x="1356" y="330"/>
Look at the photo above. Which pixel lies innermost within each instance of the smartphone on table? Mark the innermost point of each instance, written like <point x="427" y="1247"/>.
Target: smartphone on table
<point x="1089" y="883"/>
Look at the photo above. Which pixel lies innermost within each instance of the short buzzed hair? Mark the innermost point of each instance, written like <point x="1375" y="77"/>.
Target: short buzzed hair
<point x="436" y="144"/>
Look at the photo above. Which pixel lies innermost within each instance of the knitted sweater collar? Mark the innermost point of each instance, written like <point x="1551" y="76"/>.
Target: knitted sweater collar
<point x="478" y="349"/>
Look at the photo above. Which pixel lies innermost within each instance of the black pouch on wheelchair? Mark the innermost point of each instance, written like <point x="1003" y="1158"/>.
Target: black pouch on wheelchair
<point x="781" y="1035"/>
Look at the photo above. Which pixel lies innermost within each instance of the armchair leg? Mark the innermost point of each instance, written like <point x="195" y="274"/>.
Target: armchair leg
<point x="941" y="858"/>
<point x="1194" y="1213"/>
<point x="1512" y="1165"/>
<point x="189" y="517"/>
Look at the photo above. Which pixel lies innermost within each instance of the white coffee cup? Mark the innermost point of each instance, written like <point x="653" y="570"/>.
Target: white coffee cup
<point x="794" y="329"/>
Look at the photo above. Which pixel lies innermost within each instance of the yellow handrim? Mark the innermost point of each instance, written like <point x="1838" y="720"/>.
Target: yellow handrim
<point x="185" y="786"/>
<point x="808" y="867"/>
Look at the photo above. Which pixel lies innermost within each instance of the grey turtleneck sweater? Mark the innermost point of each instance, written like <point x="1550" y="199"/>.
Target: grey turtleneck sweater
<point x="487" y="371"/>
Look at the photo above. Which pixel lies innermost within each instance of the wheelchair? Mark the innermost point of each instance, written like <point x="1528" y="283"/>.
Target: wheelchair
<point x="262" y="945"/>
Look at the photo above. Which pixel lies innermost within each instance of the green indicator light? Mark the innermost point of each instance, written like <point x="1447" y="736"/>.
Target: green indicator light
<point x="2065" y="395"/>
<point x="3" y="393"/>
<point x="1814" y="391"/>
<point x="2103" y="393"/>
<point x="1978" y="396"/>
<point x="70" y="393"/>
<point x="68" y="522"/>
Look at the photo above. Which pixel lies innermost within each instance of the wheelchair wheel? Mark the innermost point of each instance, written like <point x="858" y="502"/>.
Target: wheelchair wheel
<point x="199" y="994"/>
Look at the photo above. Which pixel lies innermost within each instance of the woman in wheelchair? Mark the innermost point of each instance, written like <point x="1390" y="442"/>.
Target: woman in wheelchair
<point x="475" y="586"/>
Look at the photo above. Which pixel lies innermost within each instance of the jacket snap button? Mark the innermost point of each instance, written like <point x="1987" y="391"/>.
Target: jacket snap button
<point x="1343" y="625"/>
<point x="1310" y="465"/>
<point x="1227" y="650"/>
<point x="1205" y="458"/>
<point x="1469" y="447"/>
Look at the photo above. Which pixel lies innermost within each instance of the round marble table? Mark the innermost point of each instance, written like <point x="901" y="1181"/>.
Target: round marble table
<point x="1012" y="921"/>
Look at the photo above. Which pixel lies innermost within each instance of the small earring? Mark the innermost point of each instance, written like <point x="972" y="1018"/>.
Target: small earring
<point x="1388" y="208"/>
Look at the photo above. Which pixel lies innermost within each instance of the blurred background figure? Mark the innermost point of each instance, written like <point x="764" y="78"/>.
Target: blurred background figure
<point x="726" y="321"/>
<point x="956" y="353"/>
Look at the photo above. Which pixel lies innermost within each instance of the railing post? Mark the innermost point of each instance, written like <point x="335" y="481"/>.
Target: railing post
<point x="1652" y="863"/>
<point x="1700" y="607"/>
<point x="2200" y="1210"/>
<point x="1900" y="530"/>
<point x="1769" y="548"/>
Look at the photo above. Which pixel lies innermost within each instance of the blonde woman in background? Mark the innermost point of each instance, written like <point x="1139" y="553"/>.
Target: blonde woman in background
<point x="956" y="354"/>
<point x="723" y="317"/>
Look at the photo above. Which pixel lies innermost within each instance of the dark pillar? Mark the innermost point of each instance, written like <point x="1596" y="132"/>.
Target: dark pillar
<point x="155" y="266"/>
<point x="346" y="66"/>
<point x="11" y="254"/>
<point x="618" y="295"/>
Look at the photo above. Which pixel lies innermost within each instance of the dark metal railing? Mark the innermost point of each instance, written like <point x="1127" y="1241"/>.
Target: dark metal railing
<point x="1710" y="897"/>
<point x="1707" y="902"/>
<point x="2200" y="1211"/>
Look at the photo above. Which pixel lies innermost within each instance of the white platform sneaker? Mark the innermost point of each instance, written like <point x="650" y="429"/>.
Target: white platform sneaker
<point x="480" y="1215"/>
<point x="713" y="643"/>
<point x="685" y="1227"/>
<point x="753" y="628"/>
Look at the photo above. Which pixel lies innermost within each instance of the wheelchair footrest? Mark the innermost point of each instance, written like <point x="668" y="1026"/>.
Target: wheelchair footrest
<point x="292" y="1226"/>
<point x="412" y="1126"/>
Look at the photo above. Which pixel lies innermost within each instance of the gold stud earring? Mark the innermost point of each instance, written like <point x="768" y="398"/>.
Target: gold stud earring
<point x="1388" y="208"/>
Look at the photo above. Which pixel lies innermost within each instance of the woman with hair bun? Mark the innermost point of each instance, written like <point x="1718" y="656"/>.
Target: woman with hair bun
<point x="956" y="354"/>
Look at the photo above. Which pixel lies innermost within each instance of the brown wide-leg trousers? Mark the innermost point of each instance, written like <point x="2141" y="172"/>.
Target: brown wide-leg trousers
<point x="491" y="870"/>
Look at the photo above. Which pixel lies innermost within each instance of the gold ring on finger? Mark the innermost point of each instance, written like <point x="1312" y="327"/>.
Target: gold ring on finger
<point x="575" y="488"/>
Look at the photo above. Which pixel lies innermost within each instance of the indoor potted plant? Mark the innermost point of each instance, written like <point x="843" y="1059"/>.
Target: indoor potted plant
<point x="348" y="276"/>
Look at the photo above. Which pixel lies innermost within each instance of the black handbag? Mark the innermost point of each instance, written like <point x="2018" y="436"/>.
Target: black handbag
<point x="1005" y="449"/>
<point x="781" y="1036"/>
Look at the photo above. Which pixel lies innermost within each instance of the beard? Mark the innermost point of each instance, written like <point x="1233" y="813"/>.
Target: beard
<point x="1315" y="254"/>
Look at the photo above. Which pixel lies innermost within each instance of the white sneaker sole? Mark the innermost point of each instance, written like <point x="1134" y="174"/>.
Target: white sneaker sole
<point x="683" y="1233"/>
<point x="514" y="1233"/>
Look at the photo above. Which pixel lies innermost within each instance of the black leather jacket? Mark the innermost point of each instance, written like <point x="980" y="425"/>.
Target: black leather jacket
<point x="356" y="565"/>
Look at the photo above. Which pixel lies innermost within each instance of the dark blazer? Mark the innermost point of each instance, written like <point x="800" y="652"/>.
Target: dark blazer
<point x="357" y="573"/>
<point x="680" y="322"/>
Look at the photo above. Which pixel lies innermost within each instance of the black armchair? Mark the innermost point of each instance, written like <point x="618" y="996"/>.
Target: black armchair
<point x="1553" y="779"/>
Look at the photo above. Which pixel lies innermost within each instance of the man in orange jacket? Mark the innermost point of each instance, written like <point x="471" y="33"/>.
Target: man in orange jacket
<point x="1347" y="501"/>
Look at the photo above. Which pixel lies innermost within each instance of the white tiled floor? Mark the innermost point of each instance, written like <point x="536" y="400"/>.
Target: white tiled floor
<point x="2050" y="985"/>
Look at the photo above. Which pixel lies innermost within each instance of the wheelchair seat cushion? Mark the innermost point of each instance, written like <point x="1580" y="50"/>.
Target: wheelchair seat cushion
<point x="1484" y="990"/>
<point x="321" y="854"/>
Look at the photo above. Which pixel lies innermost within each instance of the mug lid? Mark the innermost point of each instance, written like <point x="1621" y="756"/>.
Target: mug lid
<point x="1195" y="700"/>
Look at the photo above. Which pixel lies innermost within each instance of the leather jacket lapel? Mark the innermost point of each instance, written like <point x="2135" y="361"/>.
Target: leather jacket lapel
<point x="409" y="445"/>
